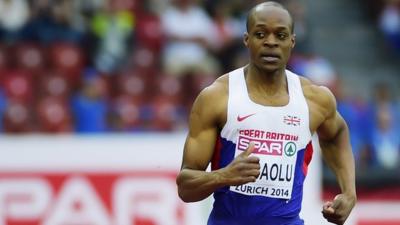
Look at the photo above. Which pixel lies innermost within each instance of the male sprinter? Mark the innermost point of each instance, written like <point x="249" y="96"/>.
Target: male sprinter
<point x="254" y="125"/>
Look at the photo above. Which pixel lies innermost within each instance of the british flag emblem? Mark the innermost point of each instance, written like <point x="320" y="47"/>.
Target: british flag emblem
<point x="291" y="120"/>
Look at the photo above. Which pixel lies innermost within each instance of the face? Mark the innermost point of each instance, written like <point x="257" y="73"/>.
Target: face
<point x="269" y="38"/>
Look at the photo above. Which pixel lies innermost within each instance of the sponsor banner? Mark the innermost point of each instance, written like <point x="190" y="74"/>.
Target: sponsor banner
<point x="94" y="180"/>
<point x="377" y="212"/>
<point x="264" y="147"/>
<point x="277" y="162"/>
<point x="138" y="198"/>
<point x="379" y="222"/>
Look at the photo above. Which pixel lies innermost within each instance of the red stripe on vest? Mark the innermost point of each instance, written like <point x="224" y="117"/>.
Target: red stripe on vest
<point x="307" y="157"/>
<point x="217" y="154"/>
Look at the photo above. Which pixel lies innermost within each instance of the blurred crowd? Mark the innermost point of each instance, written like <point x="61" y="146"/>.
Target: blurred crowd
<point x="386" y="14"/>
<point x="137" y="65"/>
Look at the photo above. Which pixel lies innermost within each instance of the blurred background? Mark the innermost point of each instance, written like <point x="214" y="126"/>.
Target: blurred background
<point x="132" y="68"/>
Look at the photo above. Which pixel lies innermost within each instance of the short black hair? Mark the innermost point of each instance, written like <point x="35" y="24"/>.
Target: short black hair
<point x="268" y="3"/>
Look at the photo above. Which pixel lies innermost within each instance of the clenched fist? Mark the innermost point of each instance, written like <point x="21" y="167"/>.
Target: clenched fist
<point x="243" y="169"/>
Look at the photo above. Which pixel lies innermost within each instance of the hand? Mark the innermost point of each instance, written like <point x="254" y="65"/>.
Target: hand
<point x="337" y="211"/>
<point x="243" y="169"/>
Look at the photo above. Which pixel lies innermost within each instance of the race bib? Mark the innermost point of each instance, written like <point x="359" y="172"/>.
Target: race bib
<point x="277" y="162"/>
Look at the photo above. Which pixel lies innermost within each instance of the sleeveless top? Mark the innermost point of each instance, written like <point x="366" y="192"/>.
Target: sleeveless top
<point x="282" y="139"/>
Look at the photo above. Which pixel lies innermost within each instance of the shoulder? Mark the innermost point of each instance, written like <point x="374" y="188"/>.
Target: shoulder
<point x="217" y="90"/>
<point x="212" y="100"/>
<point x="315" y="92"/>
<point x="319" y="97"/>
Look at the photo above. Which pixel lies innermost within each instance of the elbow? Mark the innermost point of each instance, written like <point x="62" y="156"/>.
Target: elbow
<point x="184" y="196"/>
<point x="188" y="190"/>
<point x="182" y="193"/>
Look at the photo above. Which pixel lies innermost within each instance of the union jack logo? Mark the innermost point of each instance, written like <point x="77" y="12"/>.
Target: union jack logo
<point x="291" y="120"/>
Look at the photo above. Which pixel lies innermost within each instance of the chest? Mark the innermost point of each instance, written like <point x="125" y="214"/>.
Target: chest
<point x="276" y="100"/>
<point x="270" y="127"/>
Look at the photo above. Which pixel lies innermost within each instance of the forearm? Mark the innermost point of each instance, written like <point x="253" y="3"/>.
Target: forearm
<point x="196" y="185"/>
<point x="339" y="157"/>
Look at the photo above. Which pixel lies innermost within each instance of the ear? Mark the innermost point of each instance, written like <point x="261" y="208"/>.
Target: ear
<point x="293" y="40"/>
<point x="246" y="39"/>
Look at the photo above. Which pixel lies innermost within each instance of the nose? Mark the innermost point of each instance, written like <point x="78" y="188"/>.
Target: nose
<point x="270" y="41"/>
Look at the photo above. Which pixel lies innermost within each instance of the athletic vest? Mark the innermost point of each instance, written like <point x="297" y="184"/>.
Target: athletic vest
<point x="282" y="139"/>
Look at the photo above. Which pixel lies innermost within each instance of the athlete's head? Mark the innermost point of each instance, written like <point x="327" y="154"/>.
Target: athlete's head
<point x="269" y="37"/>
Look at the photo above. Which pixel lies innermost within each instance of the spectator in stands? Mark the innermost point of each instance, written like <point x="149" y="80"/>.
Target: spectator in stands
<point x="83" y="11"/>
<point x="229" y="32"/>
<point x="384" y="131"/>
<point x="89" y="106"/>
<point x="389" y="22"/>
<point x="14" y="15"/>
<point x="113" y="27"/>
<point x="191" y="35"/>
<point x="353" y="110"/>
<point x="52" y="21"/>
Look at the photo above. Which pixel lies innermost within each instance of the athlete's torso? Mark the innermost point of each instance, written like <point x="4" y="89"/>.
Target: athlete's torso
<point x="282" y="142"/>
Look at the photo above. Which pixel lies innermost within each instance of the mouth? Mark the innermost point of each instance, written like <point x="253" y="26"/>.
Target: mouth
<point x="270" y="57"/>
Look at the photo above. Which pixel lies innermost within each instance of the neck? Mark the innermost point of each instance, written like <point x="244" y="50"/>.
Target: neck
<point x="269" y="82"/>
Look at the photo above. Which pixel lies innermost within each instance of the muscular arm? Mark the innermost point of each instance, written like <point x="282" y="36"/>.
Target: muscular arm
<point x="194" y="183"/>
<point x="337" y="154"/>
<point x="336" y="150"/>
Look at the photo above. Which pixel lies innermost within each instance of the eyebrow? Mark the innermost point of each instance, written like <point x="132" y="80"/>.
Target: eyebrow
<point x="276" y="28"/>
<point x="282" y="28"/>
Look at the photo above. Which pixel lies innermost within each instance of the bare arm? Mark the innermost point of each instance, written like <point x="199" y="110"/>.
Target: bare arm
<point x="334" y="140"/>
<point x="339" y="157"/>
<point x="194" y="183"/>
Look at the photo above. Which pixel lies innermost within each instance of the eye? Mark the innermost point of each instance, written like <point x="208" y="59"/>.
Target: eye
<point x="260" y="35"/>
<point x="282" y="35"/>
